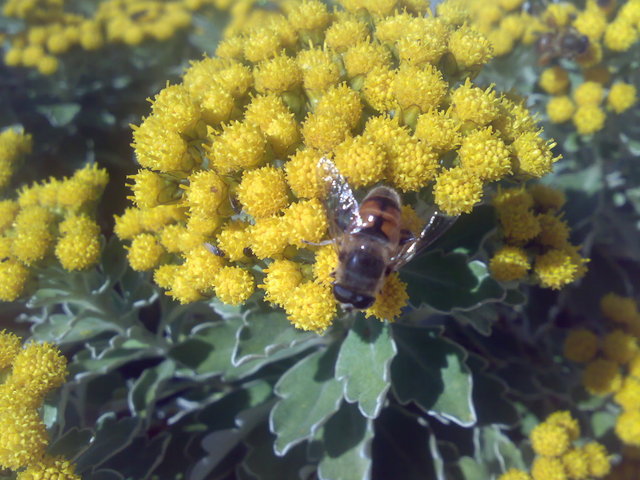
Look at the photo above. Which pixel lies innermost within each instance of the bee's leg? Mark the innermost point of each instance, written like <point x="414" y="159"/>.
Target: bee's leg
<point x="406" y="236"/>
<point x="319" y="244"/>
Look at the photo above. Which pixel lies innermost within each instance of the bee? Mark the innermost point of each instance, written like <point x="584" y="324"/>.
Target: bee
<point x="369" y="237"/>
<point x="565" y="42"/>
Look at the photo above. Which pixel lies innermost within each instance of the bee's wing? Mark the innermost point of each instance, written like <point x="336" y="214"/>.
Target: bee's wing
<point x="341" y="205"/>
<point x="437" y="224"/>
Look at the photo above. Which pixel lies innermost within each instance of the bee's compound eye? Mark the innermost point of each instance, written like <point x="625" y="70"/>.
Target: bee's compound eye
<point x="349" y="297"/>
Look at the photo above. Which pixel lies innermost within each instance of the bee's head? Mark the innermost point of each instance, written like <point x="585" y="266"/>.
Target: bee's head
<point x="350" y="299"/>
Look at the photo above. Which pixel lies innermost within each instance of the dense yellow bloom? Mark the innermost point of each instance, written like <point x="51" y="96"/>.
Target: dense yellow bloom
<point x="145" y="252"/>
<point x="233" y="285"/>
<point x="9" y="348"/>
<point x="456" y="191"/>
<point x="533" y="155"/>
<point x="360" y="160"/>
<point x="514" y="474"/>
<point x="554" y="232"/>
<point x="549" y="439"/>
<point x="628" y="427"/>
<point x="619" y="309"/>
<point x="554" y="80"/>
<point x="39" y="368"/>
<point x="602" y="377"/>
<point x="566" y="421"/>
<point x="346" y="32"/>
<point x="619" y="346"/>
<point x="326" y="262"/>
<point x="391" y="299"/>
<point x="581" y="345"/>
<point x="57" y="468"/>
<point x="277" y="75"/>
<point x="589" y="93"/>
<point x="241" y="145"/>
<point x="78" y="250"/>
<point x="469" y="47"/>
<point x="485" y="155"/>
<point x="589" y="119"/>
<point x="310" y="306"/>
<point x="306" y="221"/>
<point x="622" y="96"/>
<point x="591" y="22"/>
<point x="24" y="437"/>
<point x="620" y="35"/>
<point x="576" y="463"/>
<point x="269" y="237"/>
<point x="421" y="87"/>
<point x="282" y="277"/>
<point x="628" y="397"/>
<point x="302" y="174"/>
<point x="509" y="263"/>
<point x="233" y="239"/>
<point x="363" y="57"/>
<point x="548" y="468"/>
<point x="439" y="130"/>
<point x="560" y="109"/>
<point x="558" y="267"/>
<point x="599" y="464"/>
<point x="474" y="104"/>
<point x="263" y="192"/>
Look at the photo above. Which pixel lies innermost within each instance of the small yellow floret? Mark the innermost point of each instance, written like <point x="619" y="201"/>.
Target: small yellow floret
<point x="311" y="306"/>
<point x="560" y="109"/>
<point x="620" y="35"/>
<point x="558" y="267"/>
<point x="360" y="160"/>
<point x="13" y="277"/>
<point x="581" y="345"/>
<point x="421" y="87"/>
<point x="24" y="437"/>
<point x="622" y="97"/>
<point x="277" y="75"/>
<point x="549" y="439"/>
<point x="602" y="377"/>
<point x="509" y="263"/>
<point x="391" y="299"/>
<point x="305" y="221"/>
<point x="78" y="251"/>
<point x="618" y="308"/>
<point x="341" y="102"/>
<point x="628" y="427"/>
<point x="263" y="192"/>
<point x="39" y="368"/>
<point x="589" y="119"/>
<point x="548" y="468"/>
<point x="469" y="47"/>
<point x="619" y="346"/>
<point x="377" y="89"/>
<point x="282" y="277"/>
<point x="302" y="172"/>
<point x="576" y="463"/>
<point x="269" y="237"/>
<point x="363" y="57"/>
<point x="628" y="397"/>
<point x="241" y="145"/>
<point x="145" y="252"/>
<point x="326" y="262"/>
<point x="514" y="474"/>
<point x="589" y="93"/>
<point x="457" y="190"/>
<point x="233" y="239"/>
<point x="473" y="104"/>
<point x="599" y="463"/>
<point x="566" y="421"/>
<point x="309" y="15"/>
<point x="439" y="130"/>
<point x="485" y="155"/>
<point x="345" y="33"/>
<point x="57" y="468"/>
<point x="9" y="348"/>
<point x="554" y="80"/>
<point x="233" y="285"/>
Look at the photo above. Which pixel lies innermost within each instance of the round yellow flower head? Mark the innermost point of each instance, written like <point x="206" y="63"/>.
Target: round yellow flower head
<point x="558" y="267"/>
<point x="473" y="104"/>
<point x="241" y="145"/>
<point x="619" y="346"/>
<point x="548" y="468"/>
<point x="391" y="299"/>
<point x="48" y="65"/>
<point x="602" y="377"/>
<point x="360" y="160"/>
<point x="554" y="232"/>
<point x="560" y="109"/>
<point x="509" y="263"/>
<point x="421" y="87"/>
<point x="485" y="155"/>
<point x="363" y="57"/>
<point x="24" y="438"/>
<point x="13" y="278"/>
<point x="619" y="309"/>
<point x="554" y="80"/>
<point x="50" y="467"/>
<point x="233" y="285"/>
<point x="263" y="192"/>
<point x="302" y="174"/>
<point x="9" y="348"/>
<point x="346" y="32"/>
<point x="549" y="439"/>
<point x="282" y="277"/>
<point x="309" y="15"/>
<point x="233" y="239"/>
<point x="377" y="89"/>
<point x="269" y="237"/>
<point x="629" y="394"/>
<point x="620" y="35"/>
<point x="39" y="368"/>
<point x="319" y="70"/>
<point x="311" y="306"/>
<point x="306" y="221"/>
<point x="589" y="93"/>
<point x="8" y="211"/>
<point x="589" y="119"/>
<point x="176" y="108"/>
<point x="469" y="47"/>
<point x="576" y="463"/>
<point x="439" y="130"/>
<point x="581" y="345"/>
<point x="341" y="102"/>
<point x="457" y="190"/>
<point x="277" y="75"/>
<point x="566" y="421"/>
<point x="159" y="148"/>
<point x="622" y="96"/>
<point x="514" y="474"/>
<point x="591" y="22"/>
<point x="599" y="463"/>
<point x="326" y="262"/>
<point x="628" y="427"/>
<point x="145" y="252"/>
<point x="78" y="250"/>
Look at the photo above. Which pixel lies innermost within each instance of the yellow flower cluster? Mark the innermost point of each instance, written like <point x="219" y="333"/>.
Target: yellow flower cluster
<point x="617" y="369"/>
<point x="535" y="238"/>
<point x="608" y="27"/>
<point x="556" y="455"/>
<point x="14" y="146"/>
<point x="30" y="372"/>
<point x="54" y="217"/>
<point x="229" y="196"/>
<point x="584" y="106"/>
<point x="51" y="31"/>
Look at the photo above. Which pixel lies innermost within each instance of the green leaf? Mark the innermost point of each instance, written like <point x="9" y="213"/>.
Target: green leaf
<point x="496" y="452"/>
<point x="347" y="437"/>
<point x="265" y="334"/>
<point x="148" y="455"/>
<point x="261" y="462"/>
<point x="400" y="448"/>
<point x="71" y="443"/>
<point x="363" y="364"/>
<point x="492" y="408"/>
<point x="309" y="395"/>
<point x="111" y="436"/>
<point x="468" y="232"/>
<point x="60" y="114"/>
<point x="143" y="393"/>
<point x="472" y="470"/>
<point x="430" y="371"/>
<point x="448" y="282"/>
<point x="603" y="422"/>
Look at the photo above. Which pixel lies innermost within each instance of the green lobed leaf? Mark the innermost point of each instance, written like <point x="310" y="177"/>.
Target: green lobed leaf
<point x="495" y="451"/>
<point x="148" y="455"/>
<point x="431" y="371"/>
<point x="143" y="393"/>
<point x="472" y="470"/>
<point x="309" y="395"/>
<point x="347" y="437"/>
<point x="363" y="364"/>
<point x="265" y="334"/>
<point x="448" y="282"/>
